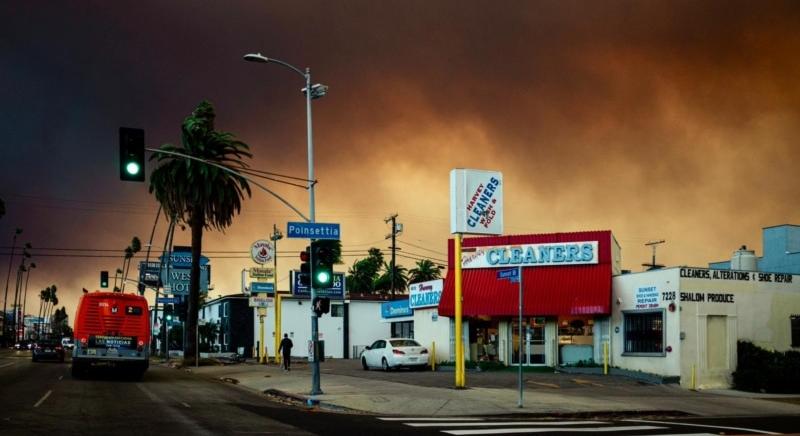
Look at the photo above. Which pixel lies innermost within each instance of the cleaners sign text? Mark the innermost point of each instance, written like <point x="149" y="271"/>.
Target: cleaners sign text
<point x="552" y="254"/>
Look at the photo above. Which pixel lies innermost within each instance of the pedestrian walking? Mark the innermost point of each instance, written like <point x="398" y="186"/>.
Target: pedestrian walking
<point x="286" y="351"/>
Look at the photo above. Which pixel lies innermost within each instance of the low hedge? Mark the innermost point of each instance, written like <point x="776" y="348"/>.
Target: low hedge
<point x="759" y="370"/>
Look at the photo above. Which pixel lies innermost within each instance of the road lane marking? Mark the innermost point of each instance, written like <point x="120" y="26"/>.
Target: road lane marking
<point x="60" y="377"/>
<point x="7" y="364"/>
<point x="547" y="385"/>
<point x="701" y="425"/>
<point x="191" y="425"/>
<point x="550" y="430"/>
<point x="497" y="424"/>
<point x="431" y="419"/>
<point x="186" y="405"/>
<point x="44" y="397"/>
<point x="586" y="382"/>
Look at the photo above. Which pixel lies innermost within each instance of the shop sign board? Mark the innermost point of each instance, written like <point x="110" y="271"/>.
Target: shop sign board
<point x="476" y="202"/>
<point x="336" y="291"/>
<point x="262" y="273"/>
<point x="262" y="287"/>
<point x="425" y="294"/>
<point x="396" y="309"/>
<point x="646" y="297"/>
<point x="259" y="301"/>
<point x="549" y="254"/>
<point x="262" y="251"/>
<point x="176" y="272"/>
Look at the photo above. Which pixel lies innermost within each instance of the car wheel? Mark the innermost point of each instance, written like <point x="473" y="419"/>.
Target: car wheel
<point x="364" y="365"/>
<point x="385" y="364"/>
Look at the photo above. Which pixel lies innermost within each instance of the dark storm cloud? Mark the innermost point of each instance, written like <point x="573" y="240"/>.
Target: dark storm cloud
<point x="673" y="120"/>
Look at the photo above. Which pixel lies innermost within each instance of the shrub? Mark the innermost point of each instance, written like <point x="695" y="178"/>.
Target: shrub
<point x="759" y="370"/>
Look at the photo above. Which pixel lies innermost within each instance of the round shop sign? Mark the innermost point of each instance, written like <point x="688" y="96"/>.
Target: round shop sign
<point x="262" y="251"/>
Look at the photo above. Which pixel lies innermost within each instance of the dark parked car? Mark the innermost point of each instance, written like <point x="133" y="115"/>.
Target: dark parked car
<point x="48" y="349"/>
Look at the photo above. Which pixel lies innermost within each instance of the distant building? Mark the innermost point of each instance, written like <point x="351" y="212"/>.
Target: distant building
<point x="234" y="316"/>
<point x="781" y="253"/>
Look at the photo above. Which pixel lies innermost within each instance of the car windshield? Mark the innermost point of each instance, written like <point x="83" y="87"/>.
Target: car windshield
<point x="404" y="343"/>
<point x="46" y="343"/>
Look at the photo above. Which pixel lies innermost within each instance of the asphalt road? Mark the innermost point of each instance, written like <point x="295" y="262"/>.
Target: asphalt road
<point x="42" y="398"/>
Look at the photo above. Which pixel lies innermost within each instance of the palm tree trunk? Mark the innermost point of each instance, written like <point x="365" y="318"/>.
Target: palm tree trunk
<point x="197" y="224"/>
<point x="39" y="316"/>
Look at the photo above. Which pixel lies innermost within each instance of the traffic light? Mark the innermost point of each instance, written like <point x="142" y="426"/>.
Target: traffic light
<point x="322" y="258"/>
<point x="131" y="154"/>
<point x="181" y="309"/>
<point x="103" y="279"/>
<point x="169" y="311"/>
<point x="321" y="305"/>
<point x="305" y="267"/>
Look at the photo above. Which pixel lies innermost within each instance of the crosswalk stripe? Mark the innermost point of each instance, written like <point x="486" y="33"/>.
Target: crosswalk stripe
<point x="431" y="419"/>
<point x="701" y="425"/>
<point x="502" y="423"/>
<point x="685" y="434"/>
<point x="553" y="430"/>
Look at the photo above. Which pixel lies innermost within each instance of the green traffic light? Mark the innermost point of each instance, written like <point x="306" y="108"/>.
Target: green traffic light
<point x="323" y="277"/>
<point x="169" y="317"/>
<point x="132" y="168"/>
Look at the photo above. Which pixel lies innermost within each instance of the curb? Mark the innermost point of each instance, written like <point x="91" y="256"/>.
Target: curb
<point x="311" y="403"/>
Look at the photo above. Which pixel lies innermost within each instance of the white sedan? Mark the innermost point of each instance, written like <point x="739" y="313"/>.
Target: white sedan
<point x="394" y="353"/>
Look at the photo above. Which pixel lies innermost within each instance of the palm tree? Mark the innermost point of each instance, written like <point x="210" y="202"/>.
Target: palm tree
<point x="130" y="251"/>
<point x="384" y="282"/>
<point x="425" y="270"/>
<point x="199" y="194"/>
<point x="361" y="277"/>
<point x="44" y="296"/>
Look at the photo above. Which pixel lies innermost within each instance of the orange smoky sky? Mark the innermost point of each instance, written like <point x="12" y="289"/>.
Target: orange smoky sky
<point x="674" y="120"/>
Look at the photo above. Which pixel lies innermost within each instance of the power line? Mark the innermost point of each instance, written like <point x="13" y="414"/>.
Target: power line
<point x="422" y="248"/>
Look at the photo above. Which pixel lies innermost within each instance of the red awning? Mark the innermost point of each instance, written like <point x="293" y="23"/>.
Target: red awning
<point x="548" y="290"/>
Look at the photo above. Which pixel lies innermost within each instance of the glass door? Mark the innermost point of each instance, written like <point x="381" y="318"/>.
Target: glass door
<point x="533" y="343"/>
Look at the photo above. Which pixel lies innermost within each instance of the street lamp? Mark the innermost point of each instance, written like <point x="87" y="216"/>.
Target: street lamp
<point x="316" y="91"/>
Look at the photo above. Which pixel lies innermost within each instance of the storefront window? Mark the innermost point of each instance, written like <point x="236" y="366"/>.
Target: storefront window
<point x="403" y="329"/>
<point x="644" y="332"/>
<point x="795" y="319"/>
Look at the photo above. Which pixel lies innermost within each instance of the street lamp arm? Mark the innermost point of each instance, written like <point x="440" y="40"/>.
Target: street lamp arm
<point x="258" y="57"/>
<point x="224" y="168"/>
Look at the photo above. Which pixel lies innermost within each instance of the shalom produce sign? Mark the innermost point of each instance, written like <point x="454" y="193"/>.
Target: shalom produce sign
<point x="550" y="254"/>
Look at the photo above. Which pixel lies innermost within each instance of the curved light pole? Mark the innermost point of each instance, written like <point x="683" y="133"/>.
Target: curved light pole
<point x="311" y="92"/>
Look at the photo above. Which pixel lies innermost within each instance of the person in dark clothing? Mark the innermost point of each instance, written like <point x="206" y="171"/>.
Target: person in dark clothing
<point x="286" y="351"/>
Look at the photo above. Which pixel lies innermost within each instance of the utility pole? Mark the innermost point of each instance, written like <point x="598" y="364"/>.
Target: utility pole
<point x="396" y="228"/>
<point x="654" y="265"/>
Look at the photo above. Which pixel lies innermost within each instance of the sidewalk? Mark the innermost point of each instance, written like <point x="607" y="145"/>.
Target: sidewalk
<point x="380" y="393"/>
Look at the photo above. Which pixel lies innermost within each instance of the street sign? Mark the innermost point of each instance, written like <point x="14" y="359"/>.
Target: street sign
<point x="257" y="287"/>
<point x="336" y="291"/>
<point x="510" y="273"/>
<point x="262" y="273"/>
<point x="257" y="301"/>
<point x="313" y="230"/>
<point x="168" y="300"/>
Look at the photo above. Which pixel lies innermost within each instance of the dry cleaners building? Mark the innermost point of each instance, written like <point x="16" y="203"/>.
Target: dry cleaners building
<point x="566" y="280"/>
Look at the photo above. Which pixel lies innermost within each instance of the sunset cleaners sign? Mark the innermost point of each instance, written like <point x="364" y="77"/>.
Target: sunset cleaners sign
<point x="551" y="254"/>
<point x="476" y="202"/>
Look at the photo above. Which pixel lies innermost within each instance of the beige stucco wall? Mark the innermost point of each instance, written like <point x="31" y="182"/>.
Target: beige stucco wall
<point x="713" y="309"/>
